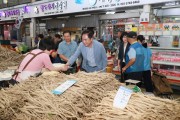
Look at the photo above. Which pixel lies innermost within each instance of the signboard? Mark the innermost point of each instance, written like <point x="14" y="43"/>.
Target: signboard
<point x="10" y="13"/>
<point x="122" y="97"/>
<point x="142" y="30"/>
<point x="14" y="13"/>
<point x="128" y="28"/>
<point x="41" y="8"/>
<point x="175" y="29"/>
<point x="147" y="29"/>
<point x="63" y="87"/>
<point x="150" y="29"/>
<point x="53" y="7"/>
<point x="167" y="27"/>
<point x="158" y="29"/>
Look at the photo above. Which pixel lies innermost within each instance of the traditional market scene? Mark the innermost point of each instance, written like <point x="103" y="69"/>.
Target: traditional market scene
<point x="89" y="59"/>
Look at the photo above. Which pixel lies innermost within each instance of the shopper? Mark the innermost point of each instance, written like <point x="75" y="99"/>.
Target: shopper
<point x="123" y="49"/>
<point x="57" y="40"/>
<point x="40" y="37"/>
<point x="66" y="49"/>
<point x="134" y="58"/>
<point x="54" y="54"/>
<point x="93" y="53"/>
<point x="34" y="61"/>
<point x="147" y="64"/>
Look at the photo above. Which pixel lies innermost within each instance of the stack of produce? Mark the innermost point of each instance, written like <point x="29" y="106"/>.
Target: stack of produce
<point x="21" y="48"/>
<point x="140" y="107"/>
<point x="91" y="98"/>
<point x="9" y="58"/>
<point x="33" y="99"/>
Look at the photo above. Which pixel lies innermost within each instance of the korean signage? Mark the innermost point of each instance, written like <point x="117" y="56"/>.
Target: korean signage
<point x="14" y="13"/>
<point x="41" y="8"/>
<point x="51" y="8"/>
<point x="54" y="6"/>
<point x="10" y="13"/>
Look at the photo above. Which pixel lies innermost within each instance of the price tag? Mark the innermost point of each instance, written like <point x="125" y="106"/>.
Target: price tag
<point x="122" y="97"/>
<point x="63" y="87"/>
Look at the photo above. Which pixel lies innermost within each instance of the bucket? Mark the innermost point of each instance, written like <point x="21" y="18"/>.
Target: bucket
<point x="109" y="69"/>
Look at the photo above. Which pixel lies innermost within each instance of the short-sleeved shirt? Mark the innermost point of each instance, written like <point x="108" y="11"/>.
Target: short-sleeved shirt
<point x="147" y="59"/>
<point x="90" y="57"/>
<point x="132" y="53"/>
<point x="67" y="49"/>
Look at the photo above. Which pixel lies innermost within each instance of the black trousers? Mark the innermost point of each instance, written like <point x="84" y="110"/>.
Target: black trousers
<point x="5" y="84"/>
<point x="123" y="75"/>
<point x="135" y="76"/>
<point x="147" y="81"/>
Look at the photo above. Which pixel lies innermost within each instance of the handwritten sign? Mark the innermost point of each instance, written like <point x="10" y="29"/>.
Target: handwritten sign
<point x="122" y="97"/>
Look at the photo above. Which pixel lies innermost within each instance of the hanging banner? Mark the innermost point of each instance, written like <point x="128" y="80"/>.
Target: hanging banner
<point x="175" y="29"/>
<point x="167" y="28"/>
<point x="149" y="29"/>
<point x="141" y="29"/>
<point x="158" y="29"/>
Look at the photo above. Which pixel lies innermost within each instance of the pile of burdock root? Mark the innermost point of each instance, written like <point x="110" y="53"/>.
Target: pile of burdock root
<point x="9" y="58"/>
<point x="91" y="98"/>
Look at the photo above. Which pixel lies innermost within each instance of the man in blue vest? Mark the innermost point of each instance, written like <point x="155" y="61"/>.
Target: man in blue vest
<point x="134" y="58"/>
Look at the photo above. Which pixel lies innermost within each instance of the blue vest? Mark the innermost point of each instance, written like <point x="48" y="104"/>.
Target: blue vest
<point x="139" y="63"/>
<point x="147" y="58"/>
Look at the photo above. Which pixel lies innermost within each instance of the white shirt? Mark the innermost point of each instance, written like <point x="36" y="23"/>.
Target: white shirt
<point x="26" y="74"/>
<point x="38" y="44"/>
<point x="125" y="45"/>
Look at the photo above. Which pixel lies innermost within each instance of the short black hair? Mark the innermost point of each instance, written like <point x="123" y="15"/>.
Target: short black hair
<point x="57" y="36"/>
<point x="140" y="38"/>
<point x="41" y="36"/>
<point x="122" y="35"/>
<point x="90" y="33"/>
<point x="46" y="44"/>
<point x="67" y="31"/>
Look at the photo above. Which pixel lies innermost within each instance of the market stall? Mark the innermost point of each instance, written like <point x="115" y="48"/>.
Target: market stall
<point x="90" y="98"/>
